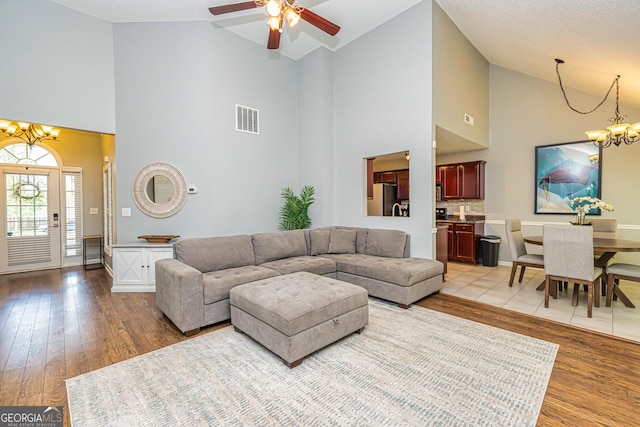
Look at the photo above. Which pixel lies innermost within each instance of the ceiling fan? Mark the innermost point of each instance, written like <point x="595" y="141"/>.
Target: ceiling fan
<point x="279" y="10"/>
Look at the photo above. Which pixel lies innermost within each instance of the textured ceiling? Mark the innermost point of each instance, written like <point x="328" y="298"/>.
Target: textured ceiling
<point x="597" y="38"/>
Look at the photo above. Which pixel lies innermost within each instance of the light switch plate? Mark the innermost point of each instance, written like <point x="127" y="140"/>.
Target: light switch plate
<point x="93" y="211"/>
<point x="126" y="211"/>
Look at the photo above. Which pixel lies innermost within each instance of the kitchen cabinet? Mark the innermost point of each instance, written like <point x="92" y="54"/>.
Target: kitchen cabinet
<point x="462" y="180"/>
<point x="463" y="241"/>
<point x="134" y="265"/>
<point x="402" y="177"/>
<point x="370" y="179"/>
<point x="442" y="251"/>
<point x="387" y="177"/>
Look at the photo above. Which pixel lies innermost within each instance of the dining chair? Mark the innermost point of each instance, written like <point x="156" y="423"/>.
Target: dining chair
<point x="568" y="256"/>
<point x="519" y="255"/>
<point x="605" y="228"/>
<point x="617" y="271"/>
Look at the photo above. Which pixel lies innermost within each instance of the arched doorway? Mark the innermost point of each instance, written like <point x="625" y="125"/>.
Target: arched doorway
<point x="40" y="209"/>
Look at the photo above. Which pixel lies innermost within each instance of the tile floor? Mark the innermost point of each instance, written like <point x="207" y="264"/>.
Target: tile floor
<point x="490" y="285"/>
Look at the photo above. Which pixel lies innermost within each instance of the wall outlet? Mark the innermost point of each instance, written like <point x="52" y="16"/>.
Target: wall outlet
<point x="468" y="119"/>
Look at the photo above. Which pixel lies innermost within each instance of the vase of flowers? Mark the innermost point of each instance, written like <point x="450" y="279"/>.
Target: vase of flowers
<point x="582" y="206"/>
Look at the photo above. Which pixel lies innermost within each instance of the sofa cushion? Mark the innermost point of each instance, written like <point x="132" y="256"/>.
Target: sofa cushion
<point x="386" y="243"/>
<point x="342" y="241"/>
<point x="319" y="241"/>
<point x="361" y="237"/>
<point x="217" y="284"/>
<point x="400" y="271"/>
<point x="215" y="253"/>
<point x="284" y="244"/>
<point x="311" y="264"/>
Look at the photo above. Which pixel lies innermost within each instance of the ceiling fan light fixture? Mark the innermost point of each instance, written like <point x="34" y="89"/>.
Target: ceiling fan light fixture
<point x="292" y="16"/>
<point x="273" y="8"/>
<point x="274" y="22"/>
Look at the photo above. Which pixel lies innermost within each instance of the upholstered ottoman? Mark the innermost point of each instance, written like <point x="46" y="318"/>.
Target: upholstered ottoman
<point x="295" y="314"/>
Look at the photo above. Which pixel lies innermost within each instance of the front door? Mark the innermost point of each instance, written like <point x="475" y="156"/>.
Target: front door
<point x="30" y="214"/>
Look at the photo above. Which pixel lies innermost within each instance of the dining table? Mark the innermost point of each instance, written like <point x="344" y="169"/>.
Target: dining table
<point x="605" y="248"/>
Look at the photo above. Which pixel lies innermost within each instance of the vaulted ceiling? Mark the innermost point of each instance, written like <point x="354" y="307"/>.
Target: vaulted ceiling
<point x="596" y="38"/>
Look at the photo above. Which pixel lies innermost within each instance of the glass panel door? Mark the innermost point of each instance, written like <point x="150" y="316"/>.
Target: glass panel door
<point x="31" y="219"/>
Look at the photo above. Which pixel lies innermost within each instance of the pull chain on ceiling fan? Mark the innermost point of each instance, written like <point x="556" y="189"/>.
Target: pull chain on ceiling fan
<point x="279" y="10"/>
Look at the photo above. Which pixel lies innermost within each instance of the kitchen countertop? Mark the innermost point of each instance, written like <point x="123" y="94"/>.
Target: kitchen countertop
<point x="471" y="219"/>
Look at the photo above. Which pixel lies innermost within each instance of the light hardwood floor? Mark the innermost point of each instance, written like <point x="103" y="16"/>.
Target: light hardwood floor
<point x="57" y="324"/>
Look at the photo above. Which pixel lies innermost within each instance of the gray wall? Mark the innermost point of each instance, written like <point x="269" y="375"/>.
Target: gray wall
<point x="57" y="66"/>
<point x="461" y="86"/>
<point x="383" y="105"/>
<point x="315" y="132"/>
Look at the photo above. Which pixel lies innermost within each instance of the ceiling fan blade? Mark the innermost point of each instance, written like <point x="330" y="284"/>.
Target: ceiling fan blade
<point x="274" y="39"/>
<point x="234" y="7"/>
<point x="318" y="21"/>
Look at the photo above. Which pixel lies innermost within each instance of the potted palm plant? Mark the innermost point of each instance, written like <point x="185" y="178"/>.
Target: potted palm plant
<point x="293" y="214"/>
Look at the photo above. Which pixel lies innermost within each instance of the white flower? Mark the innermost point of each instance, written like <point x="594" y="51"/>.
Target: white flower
<point x="585" y="204"/>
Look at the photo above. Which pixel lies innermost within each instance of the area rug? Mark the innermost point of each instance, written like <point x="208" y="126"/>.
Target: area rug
<point x="414" y="367"/>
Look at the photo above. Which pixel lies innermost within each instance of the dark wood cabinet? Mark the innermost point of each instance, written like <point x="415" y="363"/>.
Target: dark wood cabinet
<point x="450" y="182"/>
<point x="387" y="177"/>
<point x="438" y="175"/>
<point x="462" y="180"/>
<point x="402" y="177"/>
<point x="463" y="241"/>
<point x="472" y="180"/>
<point x="370" y="179"/>
<point x="442" y="248"/>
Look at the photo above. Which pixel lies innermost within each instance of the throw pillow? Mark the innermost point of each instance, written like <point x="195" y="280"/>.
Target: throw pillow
<point x="319" y="241"/>
<point x="342" y="241"/>
<point x="387" y="243"/>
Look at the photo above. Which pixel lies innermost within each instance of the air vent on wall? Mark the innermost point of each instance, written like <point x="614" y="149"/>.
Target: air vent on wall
<point x="246" y="119"/>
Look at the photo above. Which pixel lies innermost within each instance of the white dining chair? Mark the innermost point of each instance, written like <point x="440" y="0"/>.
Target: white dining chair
<point x="617" y="271"/>
<point x="605" y="228"/>
<point x="519" y="255"/>
<point x="568" y="256"/>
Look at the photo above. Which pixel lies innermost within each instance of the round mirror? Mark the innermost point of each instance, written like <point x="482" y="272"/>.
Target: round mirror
<point x="159" y="190"/>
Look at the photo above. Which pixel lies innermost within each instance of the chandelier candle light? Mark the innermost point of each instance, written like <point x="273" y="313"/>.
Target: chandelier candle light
<point x="618" y="132"/>
<point x="582" y="206"/>
<point x="29" y="132"/>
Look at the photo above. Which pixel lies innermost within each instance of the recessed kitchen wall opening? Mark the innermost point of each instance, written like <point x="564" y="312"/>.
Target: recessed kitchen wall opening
<point x="386" y="184"/>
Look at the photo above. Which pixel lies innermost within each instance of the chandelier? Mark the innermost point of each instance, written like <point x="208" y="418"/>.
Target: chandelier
<point x="29" y="132"/>
<point x="277" y="9"/>
<point x="618" y="132"/>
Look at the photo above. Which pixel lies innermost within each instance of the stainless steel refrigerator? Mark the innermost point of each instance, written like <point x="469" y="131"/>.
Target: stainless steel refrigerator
<point x="384" y="197"/>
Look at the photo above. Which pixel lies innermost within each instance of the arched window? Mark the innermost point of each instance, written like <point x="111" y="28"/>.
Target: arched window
<point x="22" y="154"/>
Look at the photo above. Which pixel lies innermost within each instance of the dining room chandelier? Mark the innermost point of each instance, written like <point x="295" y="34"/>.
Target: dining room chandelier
<point x="28" y="132"/>
<point x="279" y="9"/>
<point x="617" y="132"/>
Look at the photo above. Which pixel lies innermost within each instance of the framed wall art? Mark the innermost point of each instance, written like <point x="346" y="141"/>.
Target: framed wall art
<point x="565" y="171"/>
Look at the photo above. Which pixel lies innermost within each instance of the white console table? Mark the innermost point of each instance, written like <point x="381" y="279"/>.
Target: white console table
<point x="134" y="265"/>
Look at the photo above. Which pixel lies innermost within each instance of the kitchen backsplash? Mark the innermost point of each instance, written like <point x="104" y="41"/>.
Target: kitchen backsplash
<point x="476" y="207"/>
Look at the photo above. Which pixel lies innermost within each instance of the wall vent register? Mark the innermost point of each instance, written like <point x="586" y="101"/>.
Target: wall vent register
<point x="247" y="119"/>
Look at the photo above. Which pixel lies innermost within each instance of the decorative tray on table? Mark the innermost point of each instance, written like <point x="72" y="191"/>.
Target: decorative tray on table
<point x="158" y="238"/>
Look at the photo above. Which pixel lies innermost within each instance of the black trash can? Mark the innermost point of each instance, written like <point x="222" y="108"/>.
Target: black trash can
<point x="490" y="246"/>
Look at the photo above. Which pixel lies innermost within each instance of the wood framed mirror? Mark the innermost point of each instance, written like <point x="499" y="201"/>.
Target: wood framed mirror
<point x="159" y="190"/>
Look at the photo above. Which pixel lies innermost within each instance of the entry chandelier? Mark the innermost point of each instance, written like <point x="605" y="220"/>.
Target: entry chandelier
<point x="29" y="132"/>
<point x="618" y="132"/>
<point x="279" y="9"/>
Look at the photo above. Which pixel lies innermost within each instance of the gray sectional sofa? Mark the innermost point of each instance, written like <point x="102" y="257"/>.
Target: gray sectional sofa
<point x="192" y="289"/>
